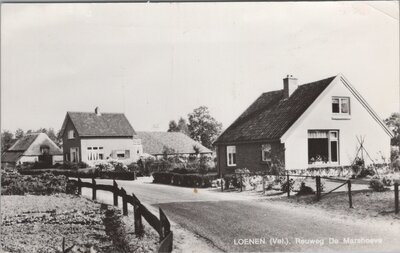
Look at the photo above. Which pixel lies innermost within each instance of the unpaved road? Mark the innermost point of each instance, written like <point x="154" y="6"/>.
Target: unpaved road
<point x="226" y="220"/>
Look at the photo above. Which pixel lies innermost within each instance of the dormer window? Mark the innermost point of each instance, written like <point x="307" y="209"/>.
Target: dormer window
<point x="341" y="106"/>
<point x="71" y="134"/>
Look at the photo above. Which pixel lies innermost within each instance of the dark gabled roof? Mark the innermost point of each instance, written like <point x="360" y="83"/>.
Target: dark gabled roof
<point x="270" y="116"/>
<point x="24" y="142"/>
<point x="89" y="124"/>
<point x="11" y="156"/>
<point x="154" y="143"/>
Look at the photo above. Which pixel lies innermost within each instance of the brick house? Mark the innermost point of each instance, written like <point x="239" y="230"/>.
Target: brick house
<point x="303" y="126"/>
<point x="91" y="137"/>
<point x="33" y="147"/>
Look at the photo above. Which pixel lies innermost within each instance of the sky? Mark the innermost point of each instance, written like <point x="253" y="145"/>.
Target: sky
<point x="158" y="61"/>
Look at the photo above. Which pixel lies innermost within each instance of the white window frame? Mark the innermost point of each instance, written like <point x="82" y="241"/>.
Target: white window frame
<point x="341" y="114"/>
<point x="265" y="147"/>
<point x="93" y="153"/>
<point x="231" y="155"/>
<point x="71" y="134"/>
<point x="330" y="140"/>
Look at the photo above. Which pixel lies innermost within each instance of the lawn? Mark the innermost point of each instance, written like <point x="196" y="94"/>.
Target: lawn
<point x="366" y="204"/>
<point x="34" y="223"/>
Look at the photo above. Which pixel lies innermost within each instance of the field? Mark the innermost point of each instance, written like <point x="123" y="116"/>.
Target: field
<point x="33" y="223"/>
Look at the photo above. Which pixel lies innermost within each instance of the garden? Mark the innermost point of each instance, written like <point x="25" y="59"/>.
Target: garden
<point x="38" y="215"/>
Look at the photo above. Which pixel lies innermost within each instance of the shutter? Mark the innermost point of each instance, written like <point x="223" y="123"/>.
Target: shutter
<point x="127" y="153"/>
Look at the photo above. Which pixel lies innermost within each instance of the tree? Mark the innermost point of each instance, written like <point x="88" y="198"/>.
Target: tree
<point x="173" y="127"/>
<point x="19" y="133"/>
<point x="393" y="122"/>
<point x="183" y="126"/>
<point x="203" y="127"/>
<point x="6" y="140"/>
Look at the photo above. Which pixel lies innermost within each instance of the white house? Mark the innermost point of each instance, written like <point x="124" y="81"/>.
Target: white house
<point x="91" y="137"/>
<point x="319" y="124"/>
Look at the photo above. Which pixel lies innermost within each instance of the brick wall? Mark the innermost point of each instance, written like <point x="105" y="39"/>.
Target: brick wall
<point x="248" y="156"/>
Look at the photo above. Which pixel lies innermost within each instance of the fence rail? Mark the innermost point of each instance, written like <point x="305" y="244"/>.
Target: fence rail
<point x="161" y="225"/>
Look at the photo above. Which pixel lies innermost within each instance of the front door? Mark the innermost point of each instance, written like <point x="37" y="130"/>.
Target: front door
<point x="74" y="152"/>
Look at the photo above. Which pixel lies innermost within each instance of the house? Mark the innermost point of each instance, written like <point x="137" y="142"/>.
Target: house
<point x="317" y="124"/>
<point x="174" y="143"/>
<point x="33" y="147"/>
<point x="91" y="137"/>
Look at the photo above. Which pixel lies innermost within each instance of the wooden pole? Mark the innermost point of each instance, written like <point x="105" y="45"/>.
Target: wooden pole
<point x="396" y="198"/>
<point x="318" y="185"/>
<point x="93" y="189"/>
<point x="349" y="191"/>
<point x="263" y="183"/>
<point x="241" y="183"/>
<point x="138" y="217"/>
<point x="288" y="184"/>
<point x="79" y="186"/>
<point x="222" y="184"/>
<point x="115" y="193"/>
<point x="124" y="202"/>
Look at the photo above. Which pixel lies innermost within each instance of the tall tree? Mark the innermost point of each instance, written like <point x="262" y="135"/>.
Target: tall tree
<point x="393" y="123"/>
<point x="19" y="133"/>
<point x="183" y="126"/>
<point x="203" y="127"/>
<point x="173" y="127"/>
<point x="6" y="140"/>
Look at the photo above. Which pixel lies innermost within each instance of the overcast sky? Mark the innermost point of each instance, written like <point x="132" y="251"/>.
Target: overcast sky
<point x="157" y="62"/>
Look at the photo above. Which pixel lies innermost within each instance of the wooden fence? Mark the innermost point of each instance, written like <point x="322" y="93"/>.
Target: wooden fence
<point x="161" y="225"/>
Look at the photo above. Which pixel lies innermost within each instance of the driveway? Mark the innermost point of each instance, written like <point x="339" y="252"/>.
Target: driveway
<point x="242" y="222"/>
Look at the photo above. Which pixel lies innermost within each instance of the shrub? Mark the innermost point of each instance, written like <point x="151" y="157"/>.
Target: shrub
<point x="189" y="180"/>
<point x="366" y="172"/>
<point x="387" y="181"/>
<point x="377" y="185"/>
<point x="305" y="190"/>
<point x="287" y="185"/>
<point x="16" y="184"/>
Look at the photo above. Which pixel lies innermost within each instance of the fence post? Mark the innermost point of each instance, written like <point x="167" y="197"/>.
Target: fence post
<point x="222" y="184"/>
<point x="288" y="185"/>
<point x="115" y="193"/>
<point x="94" y="189"/>
<point x="79" y="186"/>
<point x="263" y="183"/>
<point x="165" y="225"/>
<point x="137" y="216"/>
<point x="318" y="187"/>
<point x="349" y="191"/>
<point x="396" y="198"/>
<point x="124" y="202"/>
<point x="241" y="183"/>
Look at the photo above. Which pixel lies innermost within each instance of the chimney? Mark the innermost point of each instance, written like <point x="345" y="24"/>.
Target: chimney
<point x="289" y="85"/>
<point x="97" y="111"/>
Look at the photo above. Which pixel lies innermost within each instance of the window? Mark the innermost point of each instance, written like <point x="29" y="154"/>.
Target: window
<point x="71" y="134"/>
<point x="323" y="147"/>
<point x="231" y="155"/>
<point x="341" y="106"/>
<point x="95" y="153"/>
<point x="266" y="152"/>
<point x="44" y="150"/>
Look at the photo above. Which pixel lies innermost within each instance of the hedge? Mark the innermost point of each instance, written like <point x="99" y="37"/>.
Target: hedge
<point x="83" y="173"/>
<point x="188" y="180"/>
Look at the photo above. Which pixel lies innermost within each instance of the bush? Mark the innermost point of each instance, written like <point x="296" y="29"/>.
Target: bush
<point x="366" y="172"/>
<point x="287" y="186"/>
<point x="14" y="183"/>
<point x="305" y="190"/>
<point x="377" y="185"/>
<point x="188" y="180"/>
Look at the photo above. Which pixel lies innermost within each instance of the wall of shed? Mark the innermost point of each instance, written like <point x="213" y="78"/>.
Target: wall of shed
<point x="319" y="117"/>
